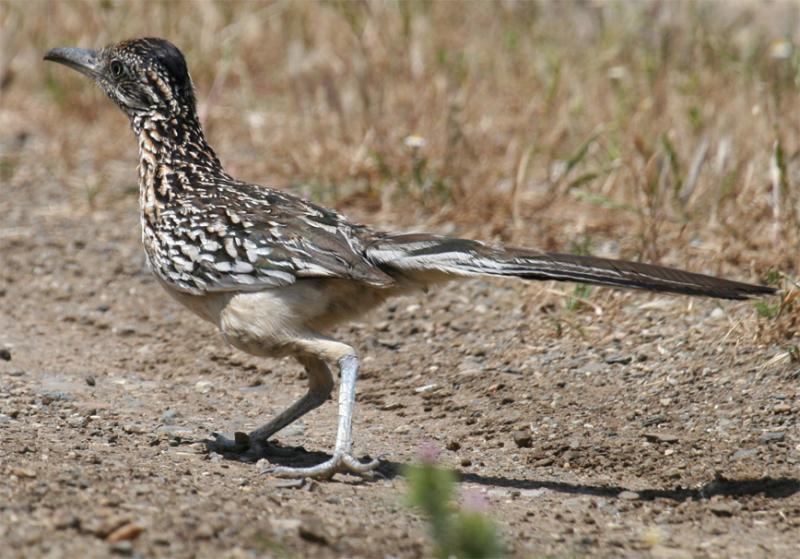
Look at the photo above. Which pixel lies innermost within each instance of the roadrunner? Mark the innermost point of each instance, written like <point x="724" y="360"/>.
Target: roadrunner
<point x="274" y="272"/>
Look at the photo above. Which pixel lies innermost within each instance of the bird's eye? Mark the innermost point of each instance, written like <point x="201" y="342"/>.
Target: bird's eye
<point x="116" y="68"/>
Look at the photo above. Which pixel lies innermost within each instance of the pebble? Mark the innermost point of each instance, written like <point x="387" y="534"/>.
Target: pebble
<point x="591" y="368"/>
<point x="90" y="381"/>
<point x="23" y="472"/>
<point x="522" y="439"/>
<point x="124" y="331"/>
<point x="5" y="354"/>
<point x="203" y="386"/>
<point x="628" y="495"/>
<point x="466" y="462"/>
<point x="721" y="509"/>
<point x="426" y="388"/>
<point x="169" y="416"/>
<point x="389" y="343"/>
<point x="654" y="420"/>
<point x="78" y="421"/>
<point x="122" y="548"/>
<point x="296" y="483"/>
<point x="620" y="359"/>
<point x="657" y="437"/>
<point x="313" y="530"/>
<point x="62" y="520"/>
<point x="285" y="525"/>
<point x="772" y="437"/>
<point x="498" y="493"/>
<point x="129" y="531"/>
<point x="401" y="429"/>
<point x="744" y="453"/>
<point x="453" y="445"/>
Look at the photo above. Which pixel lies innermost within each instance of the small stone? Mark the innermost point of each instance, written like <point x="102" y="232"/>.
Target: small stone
<point x="522" y="439"/>
<point x="133" y="429"/>
<point x="285" y="525"/>
<point x="389" y="343"/>
<point x="658" y="437"/>
<point x="426" y="388"/>
<point x="5" y="354"/>
<point x="122" y="548"/>
<point x="23" y="472"/>
<point x="392" y="406"/>
<point x="203" y="386"/>
<point x="453" y="445"/>
<point x="466" y="462"/>
<point x="620" y="359"/>
<point x="124" y="331"/>
<point x="782" y="408"/>
<point x="654" y="420"/>
<point x="78" y="421"/>
<point x="772" y="437"/>
<point x="63" y="520"/>
<point x="313" y="530"/>
<point x="401" y="429"/>
<point x="295" y="483"/>
<point x="169" y="416"/>
<point x="126" y="532"/>
<point x="90" y="381"/>
<point x="721" y="508"/>
<point x="498" y="493"/>
<point x="744" y="453"/>
<point x="628" y="495"/>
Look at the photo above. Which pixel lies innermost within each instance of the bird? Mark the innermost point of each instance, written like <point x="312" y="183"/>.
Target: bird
<point x="274" y="272"/>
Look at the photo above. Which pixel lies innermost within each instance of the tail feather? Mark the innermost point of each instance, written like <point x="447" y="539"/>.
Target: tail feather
<point x="424" y="255"/>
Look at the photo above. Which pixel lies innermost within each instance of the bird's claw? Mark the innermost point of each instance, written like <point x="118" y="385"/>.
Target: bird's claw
<point x="223" y="445"/>
<point x="340" y="462"/>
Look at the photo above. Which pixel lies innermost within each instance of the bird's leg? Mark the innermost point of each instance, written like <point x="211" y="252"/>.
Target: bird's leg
<point x="320" y="385"/>
<point x="342" y="459"/>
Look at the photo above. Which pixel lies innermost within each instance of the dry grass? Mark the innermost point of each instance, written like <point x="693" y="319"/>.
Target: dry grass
<point x="664" y="131"/>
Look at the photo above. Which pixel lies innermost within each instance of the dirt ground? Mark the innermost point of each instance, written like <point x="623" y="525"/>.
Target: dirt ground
<point x="658" y="428"/>
<point x="632" y="426"/>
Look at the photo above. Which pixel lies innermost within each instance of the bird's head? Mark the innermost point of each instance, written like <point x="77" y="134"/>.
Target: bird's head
<point x="142" y="76"/>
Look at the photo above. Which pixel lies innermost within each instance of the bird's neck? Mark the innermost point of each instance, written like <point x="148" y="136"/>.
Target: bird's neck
<point x="173" y="146"/>
<point x="175" y="161"/>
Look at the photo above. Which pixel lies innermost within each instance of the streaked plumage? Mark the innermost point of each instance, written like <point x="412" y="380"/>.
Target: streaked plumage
<point x="272" y="271"/>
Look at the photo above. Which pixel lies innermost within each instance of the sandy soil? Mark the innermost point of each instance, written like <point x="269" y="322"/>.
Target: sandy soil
<point x="658" y="427"/>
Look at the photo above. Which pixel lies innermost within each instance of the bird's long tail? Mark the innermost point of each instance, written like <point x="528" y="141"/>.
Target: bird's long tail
<point x="427" y="258"/>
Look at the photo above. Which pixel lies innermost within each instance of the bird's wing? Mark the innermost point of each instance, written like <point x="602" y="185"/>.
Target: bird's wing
<point x="264" y="238"/>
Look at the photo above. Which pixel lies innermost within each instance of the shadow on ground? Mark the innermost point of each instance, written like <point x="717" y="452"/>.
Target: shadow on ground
<point x="773" y="488"/>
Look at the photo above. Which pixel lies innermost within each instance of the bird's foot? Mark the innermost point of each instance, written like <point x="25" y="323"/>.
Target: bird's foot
<point x="340" y="462"/>
<point x="246" y="448"/>
<point x="220" y="444"/>
<point x="242" y="447"/>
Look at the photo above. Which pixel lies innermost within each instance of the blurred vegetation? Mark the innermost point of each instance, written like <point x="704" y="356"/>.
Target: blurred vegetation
<point x="460" y="533"/>
<point x="657" y="130"/>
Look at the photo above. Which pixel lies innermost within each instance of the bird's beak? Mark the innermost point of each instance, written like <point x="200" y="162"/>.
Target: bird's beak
<point x="83" y="60"/>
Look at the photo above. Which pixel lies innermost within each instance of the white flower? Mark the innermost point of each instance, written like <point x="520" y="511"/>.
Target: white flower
<point x="781" y="49"/>
<point x="415" y="142"/>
